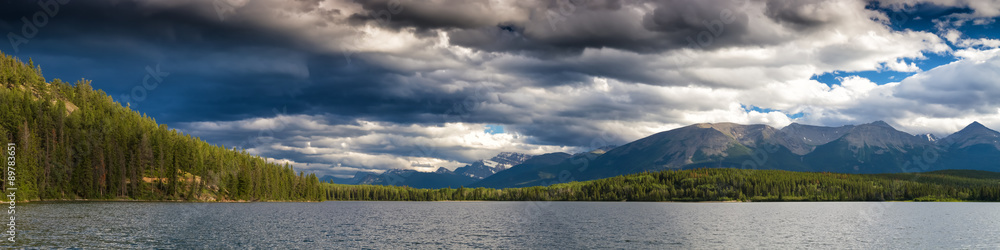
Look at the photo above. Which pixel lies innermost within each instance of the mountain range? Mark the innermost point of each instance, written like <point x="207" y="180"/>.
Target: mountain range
<point x="442" y="178"/>
<point x="868" y="148"/>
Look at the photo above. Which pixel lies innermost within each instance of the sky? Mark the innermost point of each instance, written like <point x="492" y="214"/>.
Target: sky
<point x="336" y="86"/>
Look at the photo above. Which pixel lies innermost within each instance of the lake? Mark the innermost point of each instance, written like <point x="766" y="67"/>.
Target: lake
<point x="536" y="225"/>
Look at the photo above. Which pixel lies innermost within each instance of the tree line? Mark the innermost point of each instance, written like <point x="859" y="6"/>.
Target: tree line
<point x="714" y="184"/>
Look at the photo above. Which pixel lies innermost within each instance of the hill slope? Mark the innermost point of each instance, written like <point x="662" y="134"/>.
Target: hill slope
<point x="74" y="142"/>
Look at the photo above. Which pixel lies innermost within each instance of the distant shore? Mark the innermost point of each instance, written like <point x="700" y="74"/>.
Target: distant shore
<point x="132" y="200"/>
<point x="462" y="201"/>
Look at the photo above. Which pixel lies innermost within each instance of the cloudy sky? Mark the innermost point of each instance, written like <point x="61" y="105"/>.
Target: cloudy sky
<point x="338" y="86"/>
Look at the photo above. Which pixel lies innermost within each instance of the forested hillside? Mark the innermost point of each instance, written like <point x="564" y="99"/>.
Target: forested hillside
<point x="717" y="184"/>
<point x="74" y="142"/>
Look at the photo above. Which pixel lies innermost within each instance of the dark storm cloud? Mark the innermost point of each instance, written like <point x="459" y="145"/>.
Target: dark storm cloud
<point x="125" y="36"/>
<point x="725" y="22"/>
<point x="129" y="35"/>
<point x="799" y="14"/>
<point x="182" y="25"/>
<point x="425" y="14"/>
<point x="560" y="28"/>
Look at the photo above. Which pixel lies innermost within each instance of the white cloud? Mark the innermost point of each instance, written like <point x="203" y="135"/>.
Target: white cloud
<point x="941" y="100"/>
<point x="901" y="66"/>
<point x="956" y="37"/>
<point x="370" y="145"/>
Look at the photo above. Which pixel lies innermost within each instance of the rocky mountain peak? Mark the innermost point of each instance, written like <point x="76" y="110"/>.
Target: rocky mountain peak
<point x="880" y="134"/>
<point x="976" y="127"/>
<point x="484" y="168"/>
<point x="974" y="133"/>
<point x="880" y="123"/>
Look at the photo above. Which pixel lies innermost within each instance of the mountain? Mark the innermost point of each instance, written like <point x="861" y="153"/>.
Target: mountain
<point x="974" y="147"/>
<point x="699" y="145"/>
<point x="337" y="180"/>
<point x="442" y="177"/>
<point x="972" y="135"/>
<point x="522" y="174"/>
<point x="874" y="147"/>
<point x="721" y="143"/>
<point x="359" y="177"/>
<point x="484" y="168"/>
<point x="804" y="138"/>
<point x="880" y="134"/>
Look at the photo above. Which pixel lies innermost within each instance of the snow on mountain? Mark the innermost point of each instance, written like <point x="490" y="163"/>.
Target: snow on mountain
<point x="484" y="168"/>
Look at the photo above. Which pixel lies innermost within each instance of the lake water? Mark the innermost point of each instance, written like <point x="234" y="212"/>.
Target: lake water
<point x="518" y="225"/>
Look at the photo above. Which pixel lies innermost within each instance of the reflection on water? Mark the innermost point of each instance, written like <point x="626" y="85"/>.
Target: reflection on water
<point x="511" y="224"/>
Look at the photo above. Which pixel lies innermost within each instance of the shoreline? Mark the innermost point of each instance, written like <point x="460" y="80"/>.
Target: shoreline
<point x="131" y="200"/>
<point x="244" y="201"/>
